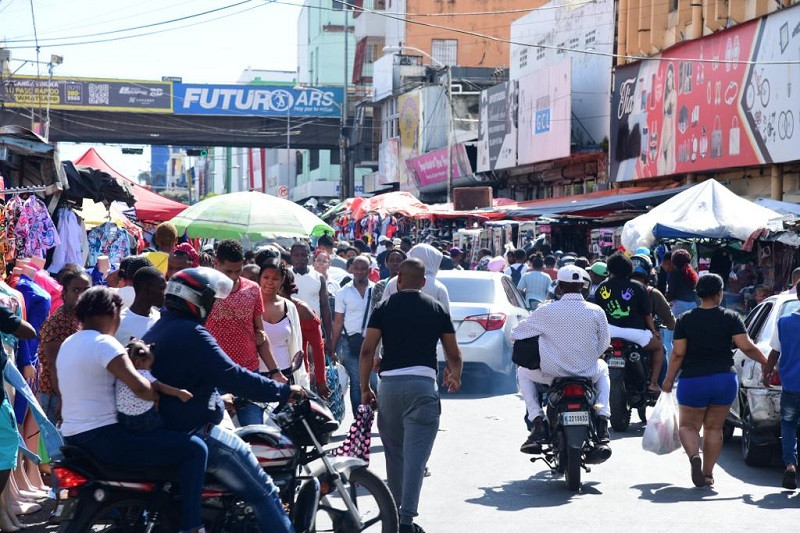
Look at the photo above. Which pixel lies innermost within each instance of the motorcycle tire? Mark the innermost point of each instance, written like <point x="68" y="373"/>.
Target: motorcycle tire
<point x="361" y="480"/>
<point x="572" y="472"/>
<point x="125" y="516"/>
<point x="620" y="412"/>
<point x="642" y="412"/>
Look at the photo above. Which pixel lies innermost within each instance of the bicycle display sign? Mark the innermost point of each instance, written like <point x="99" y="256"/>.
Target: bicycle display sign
<point x="676" y="115"/>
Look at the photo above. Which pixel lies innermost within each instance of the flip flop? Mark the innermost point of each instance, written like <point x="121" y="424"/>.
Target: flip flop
<point x="709" y="480"/>
<point x="698" y="478"/>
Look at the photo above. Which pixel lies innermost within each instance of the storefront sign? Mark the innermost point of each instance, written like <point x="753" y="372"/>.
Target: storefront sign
<point x="87" y="94"/>
<point x="431" y="168"/>
<point x="676" y="115"/>
<point x="257" y="100"/>
<point x="545" y="107"/>
<point x="497" y="135"/>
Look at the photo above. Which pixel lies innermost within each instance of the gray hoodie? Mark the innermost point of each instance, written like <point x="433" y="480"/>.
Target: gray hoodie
<point x="431" y="258"/>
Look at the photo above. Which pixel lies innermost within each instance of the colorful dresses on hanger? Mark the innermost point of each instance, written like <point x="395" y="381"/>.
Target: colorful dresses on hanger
<point x="108" y="239"/>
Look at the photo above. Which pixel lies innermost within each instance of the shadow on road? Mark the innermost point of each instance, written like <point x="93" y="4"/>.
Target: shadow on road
<point x="666" y="493"/>
<point x="780" y="500"/>
<point x="539" y="490"/>
<point x="732" y="462"/>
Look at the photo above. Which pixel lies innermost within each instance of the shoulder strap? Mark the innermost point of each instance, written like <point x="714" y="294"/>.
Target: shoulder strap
<point x="366" y="309"/>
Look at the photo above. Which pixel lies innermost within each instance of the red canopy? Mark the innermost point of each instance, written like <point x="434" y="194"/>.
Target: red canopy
<point x="150" y="206"/>
<point x="403" y="203"/>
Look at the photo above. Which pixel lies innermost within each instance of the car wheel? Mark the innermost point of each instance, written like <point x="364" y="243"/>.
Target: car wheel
<point x="727" y="431"/>
<point x="754" y="451"/>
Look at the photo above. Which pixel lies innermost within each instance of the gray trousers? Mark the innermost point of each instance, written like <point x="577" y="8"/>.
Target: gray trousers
<point x="408" y="420"/>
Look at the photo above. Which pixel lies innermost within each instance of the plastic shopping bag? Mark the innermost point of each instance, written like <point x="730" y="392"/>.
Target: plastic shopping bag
<point x="661" y="435"/>
<point x="336" y="399"/>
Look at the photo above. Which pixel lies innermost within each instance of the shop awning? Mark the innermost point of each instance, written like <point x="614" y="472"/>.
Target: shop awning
<point x="150" y="206"/>
<point x="445" y="211"/>
<point x="784" y="208"/>
<point x="402" y="203"/>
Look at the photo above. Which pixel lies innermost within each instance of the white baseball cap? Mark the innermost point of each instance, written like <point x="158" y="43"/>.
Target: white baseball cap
<point x="571" y="274"/>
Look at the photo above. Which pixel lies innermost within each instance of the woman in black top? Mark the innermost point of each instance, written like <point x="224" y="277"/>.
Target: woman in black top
<point x="702" y="351"/>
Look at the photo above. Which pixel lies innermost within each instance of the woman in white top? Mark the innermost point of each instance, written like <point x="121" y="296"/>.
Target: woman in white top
<point x="88" y="364"/>
<point x="282" y="323"/>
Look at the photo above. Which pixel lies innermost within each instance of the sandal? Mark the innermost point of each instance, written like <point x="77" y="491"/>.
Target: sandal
<point x="653" y="388"/>
<point x="709" y="480"/>
<point x="698" y="478"/>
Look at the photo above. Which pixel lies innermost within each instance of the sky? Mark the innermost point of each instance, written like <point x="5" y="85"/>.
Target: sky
<point x="213" y="48"/>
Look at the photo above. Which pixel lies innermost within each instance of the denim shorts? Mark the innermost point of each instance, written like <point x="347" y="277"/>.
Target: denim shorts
<point x="702" y="391"/>
<point x="9" y="437"/>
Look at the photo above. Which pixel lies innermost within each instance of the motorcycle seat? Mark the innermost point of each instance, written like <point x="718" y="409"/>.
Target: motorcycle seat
<point x="113" y="472"/>
<point x="560" y="382"/>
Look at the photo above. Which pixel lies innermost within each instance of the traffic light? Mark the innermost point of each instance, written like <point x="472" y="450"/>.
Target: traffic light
<point x="197" y="152"/>
<point x="133" y="151"/>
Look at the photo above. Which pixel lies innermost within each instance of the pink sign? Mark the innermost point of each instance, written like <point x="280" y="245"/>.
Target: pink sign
<point x="431" y="168"/>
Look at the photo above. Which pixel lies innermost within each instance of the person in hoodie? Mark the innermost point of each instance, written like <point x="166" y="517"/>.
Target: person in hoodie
<point x="431" y="258"/>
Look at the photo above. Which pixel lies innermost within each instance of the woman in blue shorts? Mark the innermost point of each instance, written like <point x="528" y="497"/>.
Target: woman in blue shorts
<point x="701" y="350"/>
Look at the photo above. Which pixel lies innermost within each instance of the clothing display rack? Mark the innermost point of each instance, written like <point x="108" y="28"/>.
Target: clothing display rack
<point x="23" y="190"/>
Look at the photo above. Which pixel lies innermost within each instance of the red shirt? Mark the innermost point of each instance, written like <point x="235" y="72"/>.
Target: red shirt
<point x="552" y="272"/>
<point x="231" y="322"/>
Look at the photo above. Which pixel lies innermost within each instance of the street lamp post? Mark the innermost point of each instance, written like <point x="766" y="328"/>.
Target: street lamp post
<point x="449" y="96"/>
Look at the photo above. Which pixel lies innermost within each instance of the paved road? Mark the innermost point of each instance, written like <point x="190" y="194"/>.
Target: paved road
<point x="481" y="483"/>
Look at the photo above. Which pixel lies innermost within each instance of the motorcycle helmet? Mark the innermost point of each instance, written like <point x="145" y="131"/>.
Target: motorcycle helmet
<point x="642" y="265"/>
<point x="193" y="291"/>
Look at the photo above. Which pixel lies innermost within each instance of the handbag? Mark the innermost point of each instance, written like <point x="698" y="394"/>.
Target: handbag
<point x="525" y="353"/>
<point x="359" y="439"/>
<point x="734" y="137"/>
<point x="336" y="398"/>
<point x="716" y="138"/>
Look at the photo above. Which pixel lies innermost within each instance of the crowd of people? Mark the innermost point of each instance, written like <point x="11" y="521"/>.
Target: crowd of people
<point x="206" y="333"/>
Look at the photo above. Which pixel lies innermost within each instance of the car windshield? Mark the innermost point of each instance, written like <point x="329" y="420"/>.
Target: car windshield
<point x="788" y="307"/>
<point x="469" y="290"/>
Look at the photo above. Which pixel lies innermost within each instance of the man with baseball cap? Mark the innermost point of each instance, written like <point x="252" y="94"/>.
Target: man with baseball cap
<point x="598" y="272"/>
<point x="573" y="335"/>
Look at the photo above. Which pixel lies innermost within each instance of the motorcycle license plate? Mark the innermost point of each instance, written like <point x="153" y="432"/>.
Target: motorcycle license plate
<point x="616" y="362"/>
<point x="65" y="509"/>
<point x="576" y="418"/>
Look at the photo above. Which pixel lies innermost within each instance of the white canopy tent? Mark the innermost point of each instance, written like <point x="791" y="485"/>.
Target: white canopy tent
<point x="707" y="210"/>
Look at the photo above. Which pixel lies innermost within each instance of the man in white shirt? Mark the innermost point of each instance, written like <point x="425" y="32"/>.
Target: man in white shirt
<point x="351" y="316"/>
<point x="128" y="268"/>
<point x="311" y="289"/>
<point x="573" y="335"/>
<point x="150" y="285"/>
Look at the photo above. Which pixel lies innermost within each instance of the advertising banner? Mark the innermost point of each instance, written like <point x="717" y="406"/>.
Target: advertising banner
<point x="674" y="115"/>
<point x="409" y="109"/>
<point x="388" y="162"/>
<point x="545" y="107"/>
<point x="83" y="94"/>
<point x="497" y="134"/>
<point x="257" y="100"/>
<point x="431" y="168"/>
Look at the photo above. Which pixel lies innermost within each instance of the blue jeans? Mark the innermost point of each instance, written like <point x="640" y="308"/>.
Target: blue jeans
<point x="352" y="365"/>
<point x="116" y="445"/>
<point x="49" y="403"/>
<point x="680" y="306"/>
<point x="232" y="462"/>
<point x="148" y="421"/>
<point x="790" y="418"/>
<point x="666" y="336"/>
<point x="249" y="414"/>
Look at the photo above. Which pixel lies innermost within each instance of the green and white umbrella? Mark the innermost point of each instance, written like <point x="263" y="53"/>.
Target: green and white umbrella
<point x="253" y="214"/>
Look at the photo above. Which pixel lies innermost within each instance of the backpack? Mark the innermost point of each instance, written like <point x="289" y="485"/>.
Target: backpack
<point x="516" y="274"/>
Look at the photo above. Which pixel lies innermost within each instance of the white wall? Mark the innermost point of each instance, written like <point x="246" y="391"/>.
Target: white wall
<point x="302" y="46"/>
<point x="396" y="29"/>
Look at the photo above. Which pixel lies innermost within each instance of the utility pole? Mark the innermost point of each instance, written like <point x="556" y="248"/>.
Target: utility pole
<point x="344" y="170"/>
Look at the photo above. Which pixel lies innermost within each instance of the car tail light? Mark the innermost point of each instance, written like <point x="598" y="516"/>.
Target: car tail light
<point x="67" y="479"/>
<point x="574" y="390"/>
<point x="489" y="322"/>
<point x="775" y="378"/>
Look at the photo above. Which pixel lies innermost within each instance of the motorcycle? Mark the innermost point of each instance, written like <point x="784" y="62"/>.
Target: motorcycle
<point x="569" y="425"/>
<point x="339" y="495"/>
<point x="629" y="368"/>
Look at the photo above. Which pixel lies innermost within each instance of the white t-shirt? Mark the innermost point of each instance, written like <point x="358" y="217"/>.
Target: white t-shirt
<point x="128" y="294"/>
<point x="133" y="325"/>
<point x="354" y="306"/>
<point x="130" y="404"/>
<point x="87" y="387"/>
<point x="308" y="286"/>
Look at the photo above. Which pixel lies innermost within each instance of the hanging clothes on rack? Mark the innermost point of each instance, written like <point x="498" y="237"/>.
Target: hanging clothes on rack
<point x="12" y="212"/>
<point x="34" y="229"/>
<point x="71" y="235"/>
<point x="108" y="239"/>
<point x="37" y="303"/>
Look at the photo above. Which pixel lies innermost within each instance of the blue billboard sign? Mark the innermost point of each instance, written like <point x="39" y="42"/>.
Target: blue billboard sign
<point x="257" y="100"/>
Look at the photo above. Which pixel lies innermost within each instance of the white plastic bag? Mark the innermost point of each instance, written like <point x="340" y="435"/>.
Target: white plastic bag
<point x="344" y="379"/>
<point x="661" y="436"/>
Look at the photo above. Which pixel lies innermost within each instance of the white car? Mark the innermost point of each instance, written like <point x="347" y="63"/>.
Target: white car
<point x="485" y="307"/>
<point x="756" y="409"/>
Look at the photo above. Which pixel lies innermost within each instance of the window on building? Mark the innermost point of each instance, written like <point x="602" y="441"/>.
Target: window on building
<point x="337" y="5"/>
<point x="591" y="37"/>
<point x="561" y="47"/>
<point x="540" y="50"/>
<point x="673" y="5"/>
<point x="445" y="51"/>
<point x="574" y="43"/>
<point x="390" y="120"/>
<point x="335" y="157"/>
<point x="313" y="159"/>
<point x="523" y="58"/>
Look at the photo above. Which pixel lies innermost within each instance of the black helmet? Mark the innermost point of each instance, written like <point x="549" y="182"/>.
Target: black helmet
<point x="193" y="291"/>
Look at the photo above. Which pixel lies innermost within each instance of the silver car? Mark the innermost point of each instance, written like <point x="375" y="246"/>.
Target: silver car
<point x="484" y="306"/>
<point x="757" y="408"/>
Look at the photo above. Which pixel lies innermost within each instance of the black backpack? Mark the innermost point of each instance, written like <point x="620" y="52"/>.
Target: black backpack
<point x="516" y="274"/>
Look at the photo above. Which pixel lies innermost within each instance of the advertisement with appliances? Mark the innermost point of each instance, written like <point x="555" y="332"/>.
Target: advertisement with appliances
<point x="497" y="128"/>
<point x="257" y="100"/>
<point x="431" y="168"/>
<point x="86" y="94"/>
<point x="545" y="107"/>
<point x="727" y="100"/>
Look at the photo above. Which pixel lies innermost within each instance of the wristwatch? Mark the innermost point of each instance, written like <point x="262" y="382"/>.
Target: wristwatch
<point x="273" y="372"/>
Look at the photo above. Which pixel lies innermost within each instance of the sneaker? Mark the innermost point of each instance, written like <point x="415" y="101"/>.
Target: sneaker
<point x="411" y="528"/>
<point x="601" y="427"/>
<point x="533" y="444"/>
<point x="789" y="479"/>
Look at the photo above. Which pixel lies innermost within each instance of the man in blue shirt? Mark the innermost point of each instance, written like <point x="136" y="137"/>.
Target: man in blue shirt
<point x="785" y="352"/>
<point x="535" y="284"/>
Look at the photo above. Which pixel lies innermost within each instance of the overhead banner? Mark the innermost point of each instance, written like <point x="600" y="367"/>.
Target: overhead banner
<point x="497" y="135"/>
<point x="675" y="115"/>
<point x="409" y="110"/>
<point x="258" y="100"/>
<point x="388" y="162"/>
<point x="431" y="168"/>
<point x="86" y="94"/>
<point x="545" y="107"/>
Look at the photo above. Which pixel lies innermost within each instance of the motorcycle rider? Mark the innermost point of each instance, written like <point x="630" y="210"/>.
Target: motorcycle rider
<point x="573" y="335"/>
<point x="187" y="356"/>
<point x="629" y="312"/>
<point x="642" y="270"/>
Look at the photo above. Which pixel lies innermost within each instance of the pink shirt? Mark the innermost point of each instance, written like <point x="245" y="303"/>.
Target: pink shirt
<point x="231" y="322"/>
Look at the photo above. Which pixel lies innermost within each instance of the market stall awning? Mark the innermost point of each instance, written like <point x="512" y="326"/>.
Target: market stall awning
<point x="784" y="208"/>
<point x="440" y="211"/>
<point x="706" y="210"/>
<point x="150" y="206"/>
<point x="402" y="203"/>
